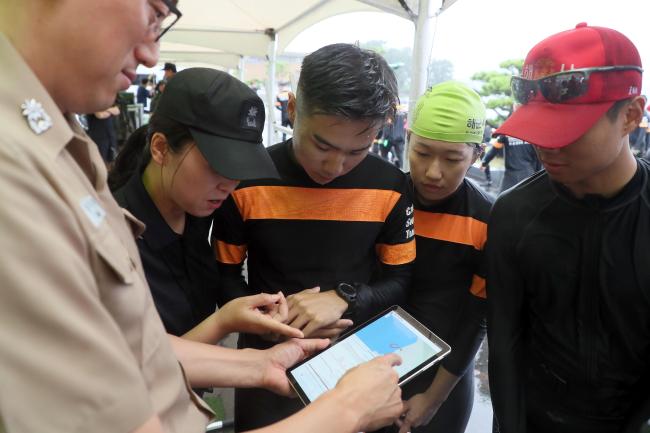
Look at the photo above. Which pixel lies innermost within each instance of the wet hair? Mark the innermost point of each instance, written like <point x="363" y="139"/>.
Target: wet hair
<point x="136" y="154"/>
<point x="477" y="148"/>
<point x="612" y="113"/>
<point x="348" y="81"/>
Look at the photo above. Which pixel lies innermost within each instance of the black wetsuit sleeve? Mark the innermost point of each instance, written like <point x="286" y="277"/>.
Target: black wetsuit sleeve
<point x="396" y="253"/>
<point x="505" y="299"/>
<point x="389" y="289"/>
<point x="640" y="416"/>
<point x="469" y="326"/>
<point x="228" y="240"/>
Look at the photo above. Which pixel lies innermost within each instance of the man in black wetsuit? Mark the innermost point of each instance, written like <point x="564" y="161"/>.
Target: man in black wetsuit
<point x="335" y="233"/>
<point x="568" y="266"/>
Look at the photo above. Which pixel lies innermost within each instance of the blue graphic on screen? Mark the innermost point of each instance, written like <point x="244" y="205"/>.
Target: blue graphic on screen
<point x="387" y="335"/>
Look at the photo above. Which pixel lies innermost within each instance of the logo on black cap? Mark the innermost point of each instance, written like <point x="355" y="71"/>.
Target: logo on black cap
<point x="251" y="116"/>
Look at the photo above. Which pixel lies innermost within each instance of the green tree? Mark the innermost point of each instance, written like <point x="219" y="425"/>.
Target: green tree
<point x="495" y="89"/>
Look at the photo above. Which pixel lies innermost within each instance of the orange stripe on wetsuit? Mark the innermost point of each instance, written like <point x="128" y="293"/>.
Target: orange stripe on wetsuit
<point x="457" y="229"/>
<point x="228" y="253"/>
<point x="398" y="254"/>
<point x="322" y="204"/>
<point x="451" y="228"/>
<point x="478" y="287"/>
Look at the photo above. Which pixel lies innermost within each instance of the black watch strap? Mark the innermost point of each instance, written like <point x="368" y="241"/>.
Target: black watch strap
<point x="347" y="292"/>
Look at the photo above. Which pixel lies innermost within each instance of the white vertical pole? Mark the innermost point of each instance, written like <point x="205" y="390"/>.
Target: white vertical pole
<point x="270" y="88"/>
<point x="240" y="74"/>
<point x="422" y="42"/>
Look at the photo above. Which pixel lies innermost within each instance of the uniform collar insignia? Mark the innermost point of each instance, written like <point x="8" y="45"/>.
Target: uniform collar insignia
<point x="39" y="121"/>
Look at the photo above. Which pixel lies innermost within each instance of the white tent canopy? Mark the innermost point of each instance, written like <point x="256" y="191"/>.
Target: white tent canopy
<point x="170" y="51"/>
<point x="246" y="26"/>
<point x="222" y="33"/>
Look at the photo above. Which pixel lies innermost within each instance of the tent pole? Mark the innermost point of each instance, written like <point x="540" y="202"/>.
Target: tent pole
<point x="422" y="42"/>
<point x="270" y="86"/>
<point x="240" y="73"/>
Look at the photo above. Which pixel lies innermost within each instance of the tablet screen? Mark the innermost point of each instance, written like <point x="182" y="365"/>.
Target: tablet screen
<point x="394" y="331"/>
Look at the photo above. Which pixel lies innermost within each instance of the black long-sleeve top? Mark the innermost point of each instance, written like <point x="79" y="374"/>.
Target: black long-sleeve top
<point x="298" y="234"/>
<point x="447" y="292"/>
<point x="180" y="269"/>
<point x="569" y="292"/>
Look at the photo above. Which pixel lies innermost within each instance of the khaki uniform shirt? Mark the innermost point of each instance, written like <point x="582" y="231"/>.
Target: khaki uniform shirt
<point x="82" y="348"/>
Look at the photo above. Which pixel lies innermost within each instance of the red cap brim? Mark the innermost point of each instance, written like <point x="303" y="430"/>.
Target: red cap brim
<point x="552" y="125"/>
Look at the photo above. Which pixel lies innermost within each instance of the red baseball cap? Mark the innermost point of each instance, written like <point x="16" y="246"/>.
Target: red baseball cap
<point x="555" y="125"/>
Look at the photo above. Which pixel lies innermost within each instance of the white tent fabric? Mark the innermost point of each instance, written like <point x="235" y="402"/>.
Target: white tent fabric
<point x="222" y="33"/>
<point x="170" y="51"/>
<point x="245" y="27"/>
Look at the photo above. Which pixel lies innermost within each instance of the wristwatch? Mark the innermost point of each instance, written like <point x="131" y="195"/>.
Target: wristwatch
<point x="348" y="293"/>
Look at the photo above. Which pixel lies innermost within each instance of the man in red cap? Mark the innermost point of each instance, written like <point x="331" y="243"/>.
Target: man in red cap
<point x="569" y="269"/>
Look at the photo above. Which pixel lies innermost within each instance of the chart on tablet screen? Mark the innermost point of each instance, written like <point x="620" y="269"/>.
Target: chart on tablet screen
<point x="389" y="334"/>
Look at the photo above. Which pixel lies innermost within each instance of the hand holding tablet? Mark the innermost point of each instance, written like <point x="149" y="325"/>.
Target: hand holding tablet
<point x="393" y="331"/>
<point x="371" y="391"/>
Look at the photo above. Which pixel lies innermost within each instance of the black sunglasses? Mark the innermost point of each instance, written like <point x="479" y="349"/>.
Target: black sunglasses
<point x="167" y="22"/>
<point x="560" y="87"/>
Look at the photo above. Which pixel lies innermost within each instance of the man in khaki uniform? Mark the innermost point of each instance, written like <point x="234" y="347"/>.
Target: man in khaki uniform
<point x="83" y="348"/>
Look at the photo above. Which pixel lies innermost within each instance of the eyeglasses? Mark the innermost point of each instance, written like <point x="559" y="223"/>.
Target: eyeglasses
<point x="163" y="20"/>
<point x="560" y="87"/>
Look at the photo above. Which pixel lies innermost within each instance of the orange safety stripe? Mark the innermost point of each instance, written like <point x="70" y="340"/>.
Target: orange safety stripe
<point x="230" y="254"/>
<point x="398" y="254"/>
<point x="451" y="228"/>
<point x="478" y="287"/>
<point x="321" y="204"/>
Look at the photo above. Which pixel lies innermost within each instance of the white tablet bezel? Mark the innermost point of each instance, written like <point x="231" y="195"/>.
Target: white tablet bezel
<point x="423" y="330"/>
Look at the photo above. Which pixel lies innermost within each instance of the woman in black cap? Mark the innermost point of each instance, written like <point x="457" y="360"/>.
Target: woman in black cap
<point x="205" y="136"/>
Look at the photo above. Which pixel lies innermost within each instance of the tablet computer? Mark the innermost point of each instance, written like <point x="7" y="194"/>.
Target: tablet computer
<point x="392" y="331"/>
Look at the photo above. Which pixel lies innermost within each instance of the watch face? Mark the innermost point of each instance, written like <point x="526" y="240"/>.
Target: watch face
<point x="347" y="289"/>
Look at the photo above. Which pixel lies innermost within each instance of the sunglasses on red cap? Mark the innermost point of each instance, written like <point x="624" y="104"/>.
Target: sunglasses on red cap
<point x="561" y="86"/>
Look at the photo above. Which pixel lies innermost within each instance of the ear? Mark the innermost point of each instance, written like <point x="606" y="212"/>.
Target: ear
<point x="633" y="114"/>
<point x="291" y="107"/>
<point x="159" y="148"/>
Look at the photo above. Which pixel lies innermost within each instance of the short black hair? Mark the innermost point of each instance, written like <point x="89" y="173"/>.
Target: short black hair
<point x="346" y="80"/>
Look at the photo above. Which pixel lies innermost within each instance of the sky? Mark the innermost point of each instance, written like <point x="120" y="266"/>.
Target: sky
<point x="477" y="35"/>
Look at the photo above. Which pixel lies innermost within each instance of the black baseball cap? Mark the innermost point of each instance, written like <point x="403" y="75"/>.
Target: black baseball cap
<point x="170" y="67"/>
<point x="225" y="118"/>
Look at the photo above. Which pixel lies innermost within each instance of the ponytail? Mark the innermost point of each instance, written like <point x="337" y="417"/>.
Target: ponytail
<point x="136" y="155"/>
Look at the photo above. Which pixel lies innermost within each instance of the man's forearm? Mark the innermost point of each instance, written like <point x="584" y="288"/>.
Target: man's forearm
<point x="442" y="385"/>
<point x="207" y="365"/>
<point x="327" y="414"/>
<point x="209" y="331"/>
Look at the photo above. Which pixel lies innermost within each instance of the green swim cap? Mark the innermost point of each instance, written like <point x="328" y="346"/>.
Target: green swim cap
<point x="451" y="112"/>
